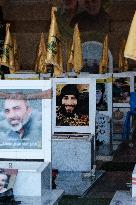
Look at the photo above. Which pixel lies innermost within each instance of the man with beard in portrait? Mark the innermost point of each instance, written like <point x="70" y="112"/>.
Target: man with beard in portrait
<point x="101" y="105"/>
<point x="21" y="125"/>
<point x="68" y="112"/>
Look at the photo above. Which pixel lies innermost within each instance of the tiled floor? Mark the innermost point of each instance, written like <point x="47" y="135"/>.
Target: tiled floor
<point x="126" y="152"/>
<point x="109" y="184"/>
<point x="116" y="180"/>
<point x="118" y="173"/>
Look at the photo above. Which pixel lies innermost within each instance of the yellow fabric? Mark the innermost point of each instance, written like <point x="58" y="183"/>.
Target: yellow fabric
<point x="104" y="58"/>
<point x="130" y="48"/>
<point x="7" y="58"/>
<point x="76" y="57"/>
<point x="123" y="62"/>
<point x="40" y="65"/>
<point x="104" y="80"/>
<point x="54" y="49"/>
<point x="16" y="55"/>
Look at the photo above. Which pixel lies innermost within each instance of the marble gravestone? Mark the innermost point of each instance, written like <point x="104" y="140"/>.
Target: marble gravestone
<point x="73" y="147"/>
<point x="33" y="178"/>
<point x="103" y="108"/>
<point x="31" y="158"/>
<point x="76" y="154"/>
<point x="73" y="140"/>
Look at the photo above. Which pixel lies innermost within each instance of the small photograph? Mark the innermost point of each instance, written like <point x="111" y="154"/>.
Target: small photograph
<point x="117" y="127"/>
<point x="20" y="120"/>
<point x="121" y="90"/>
<point x="7" y="179"/>
<point x="72" y="104"/>
<point x="101" y="97"/>
<point x="119" y="116"/>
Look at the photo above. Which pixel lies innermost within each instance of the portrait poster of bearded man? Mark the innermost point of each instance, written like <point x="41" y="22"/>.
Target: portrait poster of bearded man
<point x="20" y="121"/>
<point x="72" y="106"/>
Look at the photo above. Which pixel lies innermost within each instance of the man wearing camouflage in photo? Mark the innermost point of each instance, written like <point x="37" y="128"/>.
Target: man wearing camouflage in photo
<point x="68" y="113"/>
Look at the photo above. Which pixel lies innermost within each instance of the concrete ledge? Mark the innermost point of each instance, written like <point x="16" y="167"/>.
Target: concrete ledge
<point x="51" y="197"/>
<point x="123" y="198"/>
<point x="77" y="183"/>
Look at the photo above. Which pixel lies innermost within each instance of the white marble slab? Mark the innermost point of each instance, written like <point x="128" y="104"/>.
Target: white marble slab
<point x="22" y="76"/>
<point x="72" y="154"/>
<point x="33" y="178"/>
<point x="51" y="197"/>
<point x="44" y="76"/>
<point x="123" y="198"/>
<point x="77" y="183"/>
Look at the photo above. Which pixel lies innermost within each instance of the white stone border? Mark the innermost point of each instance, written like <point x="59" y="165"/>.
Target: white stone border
<point x="92" y="106"/>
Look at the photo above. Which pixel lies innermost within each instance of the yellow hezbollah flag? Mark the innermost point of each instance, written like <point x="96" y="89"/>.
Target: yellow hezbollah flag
<point x="7" y="58"/>
<point x="54" y="50"/>
<point x="130" y="48"/>
<point x="123" y="62"/>
<point x="40" y="65"/>
<point x="104" y="58"/>
<point x="76" y="58"/>
<point x="16" y="55"/>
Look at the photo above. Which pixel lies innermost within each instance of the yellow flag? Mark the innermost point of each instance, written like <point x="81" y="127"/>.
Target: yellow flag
<point x="123" y="62"/>
<point x="40" y="65"/>
<point x="7" y="57"/>
<point x="103" y="64"/>
<point x="16" y="55"/>
<point x="130" y="48"/>
<point x="76" y="57"/>
<point x="54" y="49"/>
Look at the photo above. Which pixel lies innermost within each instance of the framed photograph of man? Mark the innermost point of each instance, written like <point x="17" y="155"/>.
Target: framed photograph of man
<point x="74" y="105"/>
<point x="25" y="118"/>
<point x="121" y="87"/>
<point x="101" y="98"/>
<point x="7" y="180"/>
<point x="118" y="120"/>
<point x="103" y="93"/>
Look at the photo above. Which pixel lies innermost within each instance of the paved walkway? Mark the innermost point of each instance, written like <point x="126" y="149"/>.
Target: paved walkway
<point x="116" y="177"/>
<point x="109" y="184"/>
